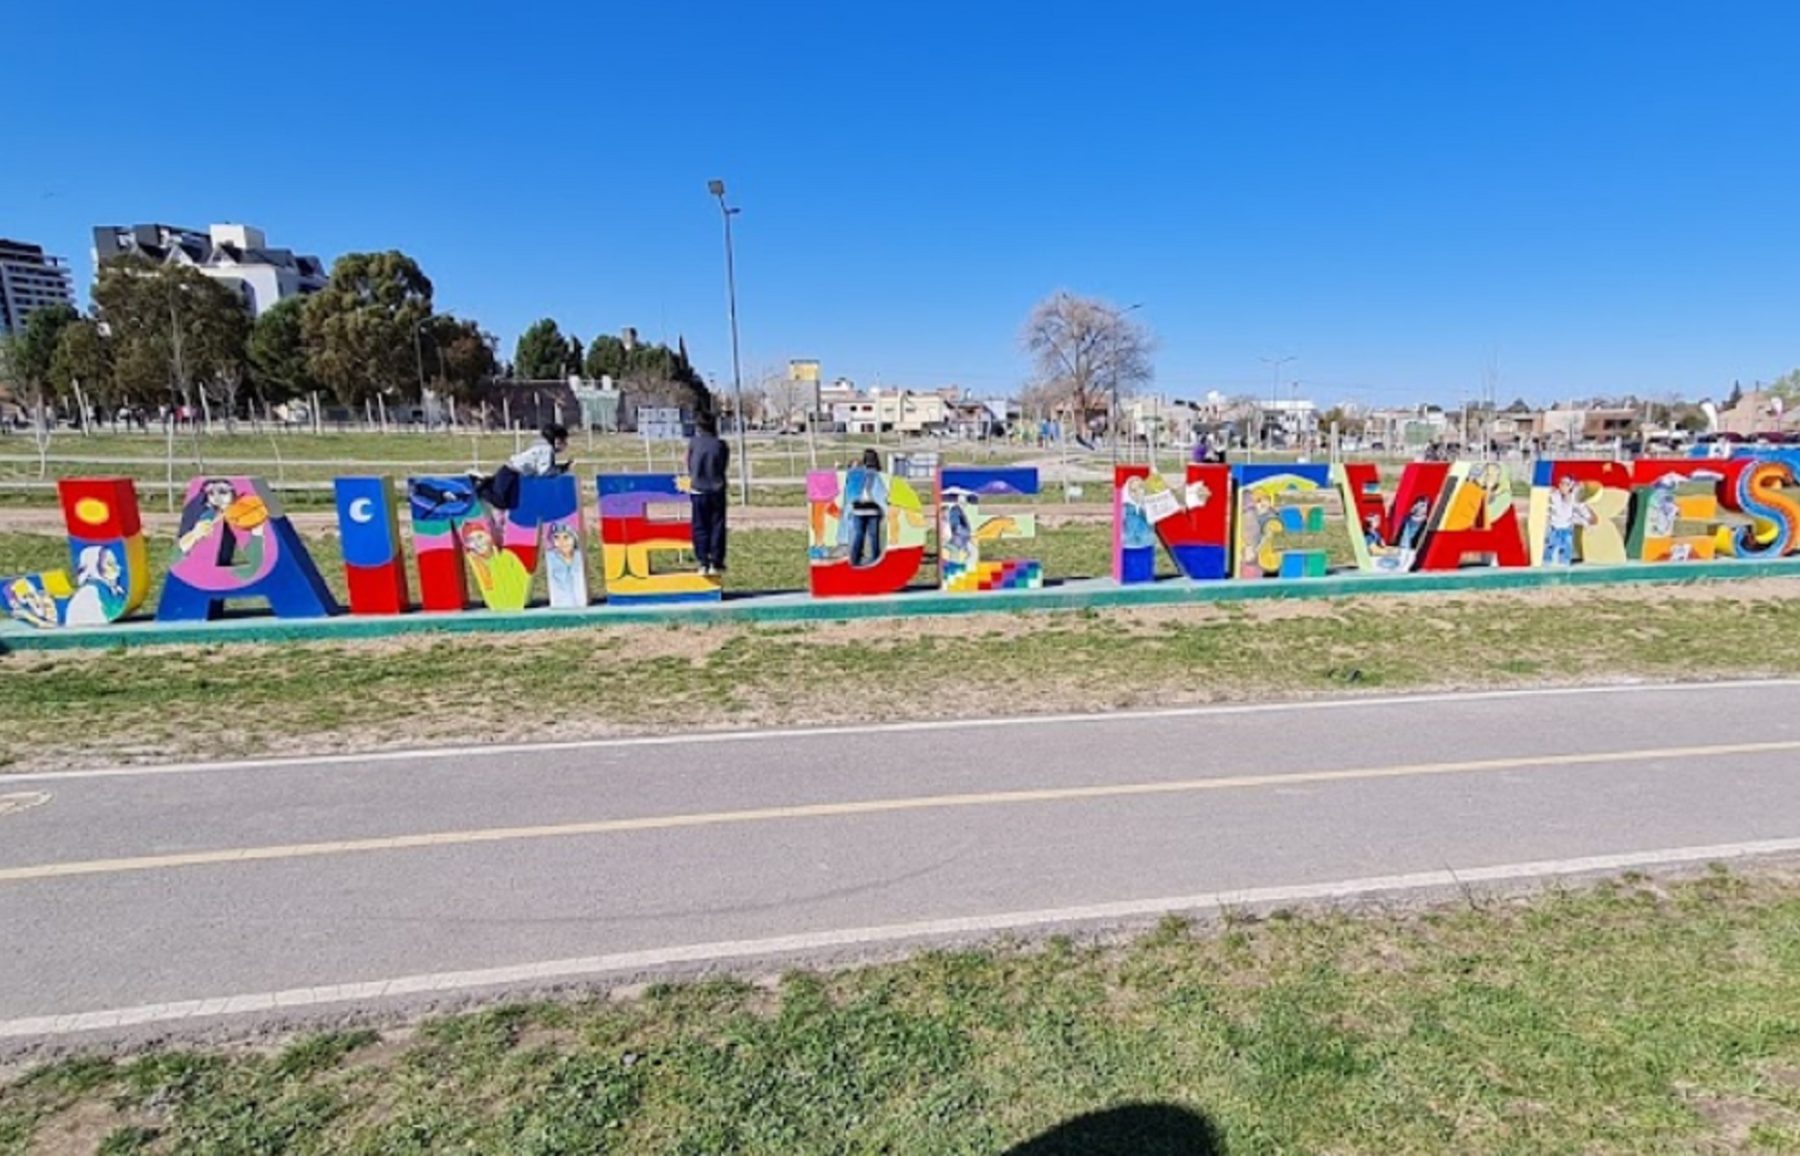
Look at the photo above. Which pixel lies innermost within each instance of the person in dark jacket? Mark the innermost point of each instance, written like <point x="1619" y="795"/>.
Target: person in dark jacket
<point x="708" y="462"/>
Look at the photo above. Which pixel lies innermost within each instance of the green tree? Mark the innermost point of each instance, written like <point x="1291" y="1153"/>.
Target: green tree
<point x="573" y="362"/>
<point x="541" y="352"/>
<point x="359" y="329"/>
<point x="280" y="368"/>
<point x="34" y="351"/>
<point x="174" y="332"/>
<point x="81" y="367"/>
<point x="465" y="359"/>
<point x="648" y="374"/>
<point x="606" y="357"/>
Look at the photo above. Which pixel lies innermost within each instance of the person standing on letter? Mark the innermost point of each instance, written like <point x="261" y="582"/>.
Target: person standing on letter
<point x="865" y="491"/>
<point x="708" y="462"/>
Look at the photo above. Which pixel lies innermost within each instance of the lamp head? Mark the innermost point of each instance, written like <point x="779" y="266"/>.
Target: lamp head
<point x="716" y="188"/>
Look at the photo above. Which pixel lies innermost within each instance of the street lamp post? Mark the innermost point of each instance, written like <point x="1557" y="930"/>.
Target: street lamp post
<point x="1275" y="392"/>
<point x="419" y="357"/>
<point x="717" y="189"/>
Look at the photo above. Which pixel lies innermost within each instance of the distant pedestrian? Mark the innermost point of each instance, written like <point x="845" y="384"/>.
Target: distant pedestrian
<point x="708" y="462"/>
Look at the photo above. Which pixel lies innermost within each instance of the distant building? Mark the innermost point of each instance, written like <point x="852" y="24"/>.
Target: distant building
<point x="237" y="256"/>
<point x="1289" y="422"/>
<point x="29" y="280"/>
<point x="1757" y="413"/>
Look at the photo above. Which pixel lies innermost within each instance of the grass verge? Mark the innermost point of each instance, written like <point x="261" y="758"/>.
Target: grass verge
<point x="61" y="709"/>
<point x="1631" y="1018"/>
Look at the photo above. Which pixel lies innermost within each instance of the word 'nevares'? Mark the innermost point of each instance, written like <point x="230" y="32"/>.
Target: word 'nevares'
<point x="868" y="531"/>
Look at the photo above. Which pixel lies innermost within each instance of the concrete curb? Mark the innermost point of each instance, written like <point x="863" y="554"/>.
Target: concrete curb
<point x="798" y="607"/>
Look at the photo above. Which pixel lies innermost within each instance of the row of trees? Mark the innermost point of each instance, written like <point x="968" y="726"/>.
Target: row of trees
<point x="169" y="335"/>
<point x="653" y="374"/>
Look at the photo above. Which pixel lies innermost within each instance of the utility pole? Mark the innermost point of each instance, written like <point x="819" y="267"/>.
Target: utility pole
<point x="1274" y="392"/>
<point x="717" y="189"/>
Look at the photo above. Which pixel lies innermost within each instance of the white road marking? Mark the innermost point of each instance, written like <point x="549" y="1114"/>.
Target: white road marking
<point x="705" y="738"/>
<point x="17" y="801"/>
<point x="649" y="960"/>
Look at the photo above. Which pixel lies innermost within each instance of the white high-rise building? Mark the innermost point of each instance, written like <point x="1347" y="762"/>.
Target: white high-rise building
<point x="237" y="255"/>
<point x="29" y="280"/>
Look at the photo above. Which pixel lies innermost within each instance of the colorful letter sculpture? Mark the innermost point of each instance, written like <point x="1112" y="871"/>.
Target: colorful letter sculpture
<point x="235" y="542"/>
<point x="443" y="512"/>
<point x="1264" y="523"/>
<point x="1194" y="525"/>
<point x="1577" y="507"/>
<point x="631" y="532"/>
<point x="455" y="539"/>
<point x="1667" y="492"/>
<point x="1774" y="528"/>
<point x="898" y="529"/>
<point x="1475" y="516"/>
<point x="106" y="547"/>
<point x="963" y="526"/>
<point x="547" y="522"/>
<point x="374" y="562"/>
<point x="1388" y="535"/>
<point x="868" y="531"/>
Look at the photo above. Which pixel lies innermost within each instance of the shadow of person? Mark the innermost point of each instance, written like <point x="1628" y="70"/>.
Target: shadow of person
<point x="1129" y="1130"/>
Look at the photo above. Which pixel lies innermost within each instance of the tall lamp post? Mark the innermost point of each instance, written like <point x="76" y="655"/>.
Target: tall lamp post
<point x="1275" y="391"/>
<point x="726" y="212"/>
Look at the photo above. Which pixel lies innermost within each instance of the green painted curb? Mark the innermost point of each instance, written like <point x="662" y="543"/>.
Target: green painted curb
<point x="1084" y="594"/>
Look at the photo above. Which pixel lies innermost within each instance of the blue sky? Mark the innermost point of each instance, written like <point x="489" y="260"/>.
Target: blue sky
<point x="1583" y="197"/>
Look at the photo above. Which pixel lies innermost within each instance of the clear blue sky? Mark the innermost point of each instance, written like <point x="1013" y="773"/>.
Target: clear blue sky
<point x="1593" y="197"/>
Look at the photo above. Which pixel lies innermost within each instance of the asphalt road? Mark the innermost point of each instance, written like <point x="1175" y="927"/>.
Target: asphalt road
<point x="187" y="897"/>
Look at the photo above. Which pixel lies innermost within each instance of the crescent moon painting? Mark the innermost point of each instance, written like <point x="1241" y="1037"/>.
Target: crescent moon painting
<point x="359" y="511"/>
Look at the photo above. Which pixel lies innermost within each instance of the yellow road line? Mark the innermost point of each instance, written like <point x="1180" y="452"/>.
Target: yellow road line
<point x="870" y="807"/>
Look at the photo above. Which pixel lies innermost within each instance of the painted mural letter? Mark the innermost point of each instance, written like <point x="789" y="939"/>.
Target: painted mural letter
<point x="235" y="542"/>
<point x="1389" y="534"/>
<point x="865" y="532"/>
<point x="546" y="526"/>
<point x="369" y="528"/>
<point x="1276" y="503"/>
<point x="964" y="527"/>
<point x="106" y="550"/>
<point x="1577" y="511"/>
<point x="1475" y="517"/>
<point x="1774" y="528"/>
<point x="1193" y="524"/>
<point x="642" y="515"/>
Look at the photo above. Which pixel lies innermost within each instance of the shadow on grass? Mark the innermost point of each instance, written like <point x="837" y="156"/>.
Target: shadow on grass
<point x="1131" y="1130"/>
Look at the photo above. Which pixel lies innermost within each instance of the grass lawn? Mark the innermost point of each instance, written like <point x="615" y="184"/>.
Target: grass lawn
<point x="175" y="702"/>
<point x="1634" y="1018"/>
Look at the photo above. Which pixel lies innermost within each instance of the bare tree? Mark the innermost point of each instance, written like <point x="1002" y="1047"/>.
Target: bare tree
<point x="787" y="397"/>
<point x="1084" y="349"/>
